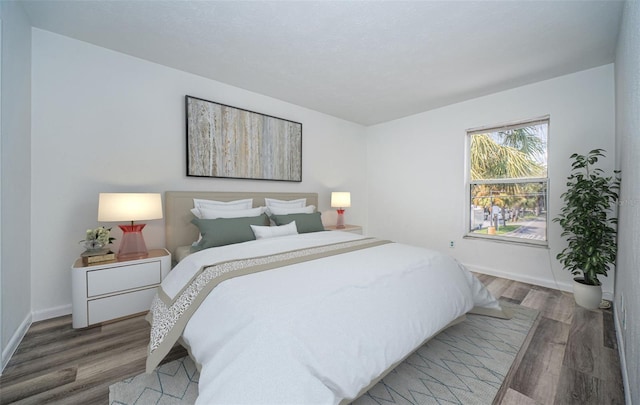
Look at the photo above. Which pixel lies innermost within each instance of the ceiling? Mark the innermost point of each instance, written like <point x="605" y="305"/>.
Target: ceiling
<point x="363" y="61"/>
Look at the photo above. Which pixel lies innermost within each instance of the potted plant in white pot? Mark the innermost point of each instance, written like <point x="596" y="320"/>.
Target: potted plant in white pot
<point x="589" y="223"/>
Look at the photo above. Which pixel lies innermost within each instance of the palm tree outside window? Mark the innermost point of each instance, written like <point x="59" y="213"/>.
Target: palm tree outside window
<point x="508" y="182"/>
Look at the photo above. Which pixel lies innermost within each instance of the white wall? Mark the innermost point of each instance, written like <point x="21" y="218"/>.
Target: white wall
<point x="107" y="122"/>
<point x="15" y="177"/>
<point x="416" y="170"/>
<point x="627" y="299"/>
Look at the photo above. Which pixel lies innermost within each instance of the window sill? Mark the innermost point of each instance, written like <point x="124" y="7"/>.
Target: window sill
<point x="511" y="241"/>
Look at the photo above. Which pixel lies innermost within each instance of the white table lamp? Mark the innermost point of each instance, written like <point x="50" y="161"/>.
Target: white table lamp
<point x="340" y="200"/>
<point x="116" y="207"/>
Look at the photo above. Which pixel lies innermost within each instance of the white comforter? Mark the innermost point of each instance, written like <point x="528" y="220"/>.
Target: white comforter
<point x="320" y="331"/>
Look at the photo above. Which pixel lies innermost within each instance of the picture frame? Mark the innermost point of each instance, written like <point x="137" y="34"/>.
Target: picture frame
<point x="230" y="142"/>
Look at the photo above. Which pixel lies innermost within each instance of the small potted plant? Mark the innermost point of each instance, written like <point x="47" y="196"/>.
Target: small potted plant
<point x="96" y="239"/>
<point x="589" y="223"/>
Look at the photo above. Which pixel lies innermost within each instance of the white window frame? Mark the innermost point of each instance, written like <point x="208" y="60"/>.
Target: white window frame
<point x="469" y="183"/>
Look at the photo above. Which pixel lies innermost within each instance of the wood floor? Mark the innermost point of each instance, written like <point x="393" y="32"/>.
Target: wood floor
<point x="571" y="356"/>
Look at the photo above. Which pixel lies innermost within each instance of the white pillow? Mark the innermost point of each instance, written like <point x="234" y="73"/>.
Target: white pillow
<point x="213" y="213"/>
<point x="224" y="205"/>
<point x="264" y="232"/>
<point x="272" y="202"/>
<point x="309" y="209"/>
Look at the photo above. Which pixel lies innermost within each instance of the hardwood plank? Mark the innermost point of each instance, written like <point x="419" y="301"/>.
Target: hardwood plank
<point x="46" y="333"/>
<point x="538" y="372"/>
<point x="49" y="325"/>
<point x="584" y="342"/>
<point x="176" y="353"/>
<point x="608" y="367"/>
<point x="515" y="398"/>
<point x="498" y="286"/>
<point x="37" y="385"/>
<point x="609" y="330"/>
<point x="517" y="362"/>
<point x="586" y="351"/>
<point x="559" y="306"/>
<point x="576" y="387"/>
<point x="511" y="300"/>
<point x="92" y="387"/>
<point x="127" y="324"/>
<point x="63" y="393"/>
<point x="88" y="395"/>
<point x="535" y="299"/>
<point x="97" y="395"/>
<point x="68" y="338"/>
<point x="484" y="278"/>
<point x="95" y="365"/>
<point x="51" y="358"/>
<point x="516" y="292"/>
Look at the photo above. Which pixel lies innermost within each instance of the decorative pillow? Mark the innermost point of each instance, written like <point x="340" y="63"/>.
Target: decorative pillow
<point x="226" y="231"/>
<point x="224" y="205"/>
<point x="264" y="232"/>
<point x="289" y="210"/>
<point x="213" y="213"/>
<point x="272" y="202"/>
<point x="304" y="222"/>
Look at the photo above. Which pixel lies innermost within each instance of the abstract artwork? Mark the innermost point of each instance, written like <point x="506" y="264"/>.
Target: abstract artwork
<point x="225" y="141"/>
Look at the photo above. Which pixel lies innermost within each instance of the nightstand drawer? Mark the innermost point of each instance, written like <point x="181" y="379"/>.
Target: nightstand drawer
<point x="117" y="306"/>
<point x="122" y="278"/>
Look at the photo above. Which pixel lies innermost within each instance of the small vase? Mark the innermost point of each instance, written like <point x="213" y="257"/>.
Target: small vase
<point x="93" y="246"/>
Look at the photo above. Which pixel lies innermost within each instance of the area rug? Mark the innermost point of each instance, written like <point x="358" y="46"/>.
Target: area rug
<point x="465" y="364"/>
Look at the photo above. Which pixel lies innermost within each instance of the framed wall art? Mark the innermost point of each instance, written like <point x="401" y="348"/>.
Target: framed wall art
<point x="225" y="141"/>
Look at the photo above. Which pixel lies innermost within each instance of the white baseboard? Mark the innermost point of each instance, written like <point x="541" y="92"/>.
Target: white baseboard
<point x="15" y="340"/>
<point x="544" y="282"/>
<point x="623" y="361"/>
<point x="51" y="313"/>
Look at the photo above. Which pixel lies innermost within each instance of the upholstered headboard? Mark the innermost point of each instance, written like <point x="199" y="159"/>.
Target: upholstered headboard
<point x="178" y="227"/>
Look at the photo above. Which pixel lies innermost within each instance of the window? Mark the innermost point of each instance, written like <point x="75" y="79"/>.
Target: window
<point x="508" y="182"/>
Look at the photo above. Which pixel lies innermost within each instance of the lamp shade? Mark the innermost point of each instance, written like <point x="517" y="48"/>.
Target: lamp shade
<point x="340" y="199"/>
<point x="115" y="207"/>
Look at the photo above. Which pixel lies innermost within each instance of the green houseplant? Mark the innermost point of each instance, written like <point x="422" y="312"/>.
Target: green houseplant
<point x="588" y="222"/>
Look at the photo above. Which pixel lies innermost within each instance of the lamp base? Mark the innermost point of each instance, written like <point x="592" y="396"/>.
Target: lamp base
<point x="132" y="245"/>
<point x="340" y="223"/>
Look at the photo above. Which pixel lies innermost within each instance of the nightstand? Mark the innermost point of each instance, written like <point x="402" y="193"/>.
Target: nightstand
<point x="106" y="291"/>
<point x="347" y="228"/>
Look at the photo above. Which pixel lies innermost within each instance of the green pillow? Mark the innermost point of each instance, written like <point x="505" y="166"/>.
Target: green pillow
<point x="304" y="222"/>
<point x="226" y="231"/>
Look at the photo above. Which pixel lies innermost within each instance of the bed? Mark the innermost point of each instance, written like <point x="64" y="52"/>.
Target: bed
<point x="309" y="318"/>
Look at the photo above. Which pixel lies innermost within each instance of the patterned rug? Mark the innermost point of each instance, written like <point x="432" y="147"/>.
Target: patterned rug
<point x="465" y="364"/>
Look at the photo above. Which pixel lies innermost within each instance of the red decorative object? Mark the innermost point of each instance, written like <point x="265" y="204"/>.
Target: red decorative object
<point x="340" y="224"/>
<point x="132" y="245"/>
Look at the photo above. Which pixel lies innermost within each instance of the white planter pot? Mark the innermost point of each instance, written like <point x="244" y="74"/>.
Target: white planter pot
<point x="587" y="296"/>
